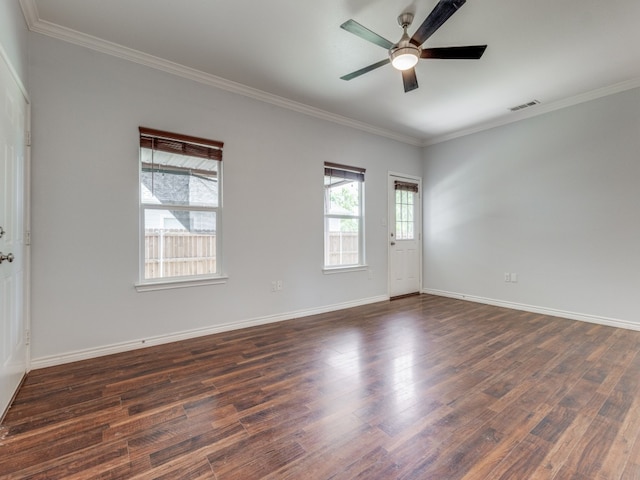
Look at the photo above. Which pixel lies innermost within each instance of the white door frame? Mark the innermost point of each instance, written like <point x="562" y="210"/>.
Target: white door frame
<point x="390" y="227"/>
<point x="26" y="287"/>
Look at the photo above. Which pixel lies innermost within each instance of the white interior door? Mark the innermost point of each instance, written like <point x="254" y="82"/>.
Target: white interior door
<point x="13" y="348"/>
<point x="405" y="236"/>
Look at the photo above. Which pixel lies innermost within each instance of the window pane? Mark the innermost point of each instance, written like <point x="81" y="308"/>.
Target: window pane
<point x="342" y="241"/>
<point x="342" y="197"/>
<point x="179" y="243"/>
<point x="178" y="179"/>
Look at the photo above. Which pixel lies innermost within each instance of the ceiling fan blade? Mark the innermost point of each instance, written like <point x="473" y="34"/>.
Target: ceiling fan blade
<point x="471" y="52"/>
<point x="409" y="79"/>
<point x="440" y="14"/>
<point x="364" y="70"/>
<point x="363" y="32"/>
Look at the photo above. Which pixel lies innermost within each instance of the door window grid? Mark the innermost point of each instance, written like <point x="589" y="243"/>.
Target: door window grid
<point x="405" y="223"/>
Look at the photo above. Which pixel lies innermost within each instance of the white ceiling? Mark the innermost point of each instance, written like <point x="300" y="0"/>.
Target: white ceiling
<point x="292" y="53"/>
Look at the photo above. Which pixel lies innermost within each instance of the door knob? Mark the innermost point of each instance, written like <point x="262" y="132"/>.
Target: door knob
<point x="2" y="232"/>
<point x="393" y="243"/>
<point x="9" y="257"/>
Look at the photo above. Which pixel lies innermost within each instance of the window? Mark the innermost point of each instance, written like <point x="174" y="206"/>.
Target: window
<point x="405" y="197"/>
<point x="180" y="206"/>
<point x="343" y="216"/>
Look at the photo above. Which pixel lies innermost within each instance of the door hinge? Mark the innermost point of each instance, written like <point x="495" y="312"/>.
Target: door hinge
<point x="27" y="237"/>
<point x="27" y="337"/>
<point x="27" y="138"/>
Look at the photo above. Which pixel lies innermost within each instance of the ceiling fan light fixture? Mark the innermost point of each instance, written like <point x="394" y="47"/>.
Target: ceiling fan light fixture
<point x="405" y="54"/>
<point x="404" y="58"/>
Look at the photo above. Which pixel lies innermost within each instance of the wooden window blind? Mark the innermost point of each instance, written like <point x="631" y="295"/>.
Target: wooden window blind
<point x="180" y="144"/>
<point x="406" y="186"/>
<point x="343" y="171"/>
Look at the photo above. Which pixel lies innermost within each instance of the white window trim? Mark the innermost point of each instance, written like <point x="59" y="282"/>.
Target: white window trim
<point x="362" y="264"/>
<point x="169" y="283"/>
<point x="180" y="282"/>
<point x="345" y="269"/>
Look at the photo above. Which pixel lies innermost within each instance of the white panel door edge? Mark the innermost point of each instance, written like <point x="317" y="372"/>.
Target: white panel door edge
<point x="14" y="111"/>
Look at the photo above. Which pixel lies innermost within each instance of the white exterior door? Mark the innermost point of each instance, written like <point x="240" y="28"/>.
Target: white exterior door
<point x="405" y="236"/>
<point x="13" y="344"/>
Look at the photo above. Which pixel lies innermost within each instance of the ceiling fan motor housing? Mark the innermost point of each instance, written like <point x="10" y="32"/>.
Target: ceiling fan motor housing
<point x="405" y="19"/>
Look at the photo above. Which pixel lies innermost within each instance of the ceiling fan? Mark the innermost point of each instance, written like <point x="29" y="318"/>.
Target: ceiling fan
<point x="405" y="54"/>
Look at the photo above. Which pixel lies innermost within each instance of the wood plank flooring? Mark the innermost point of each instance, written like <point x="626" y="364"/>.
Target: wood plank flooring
<point x="422" y="387"/>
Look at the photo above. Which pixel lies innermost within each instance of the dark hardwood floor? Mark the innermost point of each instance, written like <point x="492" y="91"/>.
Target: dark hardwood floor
<point x="422" y="387"/>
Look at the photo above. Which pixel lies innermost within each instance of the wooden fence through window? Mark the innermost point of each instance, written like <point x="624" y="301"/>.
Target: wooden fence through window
<point x="343" y="248"/>
<point x="177" y="253"/>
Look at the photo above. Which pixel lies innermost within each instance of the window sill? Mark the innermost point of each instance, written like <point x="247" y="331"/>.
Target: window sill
<point x="352" y="268"/>
<point x="183" y="283"/>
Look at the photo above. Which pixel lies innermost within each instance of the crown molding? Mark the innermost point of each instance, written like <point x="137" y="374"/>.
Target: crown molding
<point x="30" y="12"/>
<point x="43" y="27"/>
<point x="539" y="110"/>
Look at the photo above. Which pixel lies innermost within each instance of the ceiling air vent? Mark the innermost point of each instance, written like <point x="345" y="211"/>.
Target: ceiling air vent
<point x="524" y="105"/>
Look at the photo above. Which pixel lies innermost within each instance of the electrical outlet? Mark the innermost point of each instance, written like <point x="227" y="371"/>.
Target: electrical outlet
<point x="514" y="278"/>
<point x="279" y="285"/>
<point x="507" y="277"/>
<point x="274" y="286"/>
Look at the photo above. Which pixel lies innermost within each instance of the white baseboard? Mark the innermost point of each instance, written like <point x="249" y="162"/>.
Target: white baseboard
<point x="52" y="360"/>
<point x="583" y="317"/>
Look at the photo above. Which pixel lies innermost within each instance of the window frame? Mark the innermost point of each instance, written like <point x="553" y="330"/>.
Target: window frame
<point x="192" y="147"/>
<point x="356" y="174"/>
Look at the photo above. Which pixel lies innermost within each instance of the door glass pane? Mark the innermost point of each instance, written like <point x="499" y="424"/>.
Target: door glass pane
<point x="405" y="215"/>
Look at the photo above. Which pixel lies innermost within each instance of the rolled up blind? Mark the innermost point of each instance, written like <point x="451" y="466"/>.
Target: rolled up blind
<point x="406" y="186"/>
<point x="180" y="144"/>
<point x="345" y="172"/>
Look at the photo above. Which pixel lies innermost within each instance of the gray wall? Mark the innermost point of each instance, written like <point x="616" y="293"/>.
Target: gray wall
<point x="86" y="111"/>
<point x="554" y="199"/>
